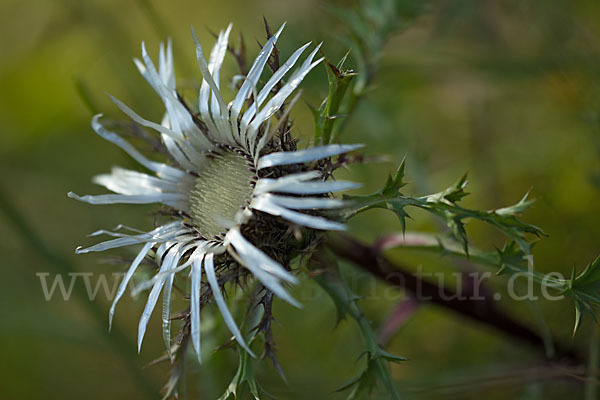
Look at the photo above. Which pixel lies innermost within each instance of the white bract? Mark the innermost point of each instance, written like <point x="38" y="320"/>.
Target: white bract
<point x="216" y="186"/>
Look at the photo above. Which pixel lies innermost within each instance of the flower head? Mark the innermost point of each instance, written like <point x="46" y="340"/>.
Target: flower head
<point x="233" y="187"/>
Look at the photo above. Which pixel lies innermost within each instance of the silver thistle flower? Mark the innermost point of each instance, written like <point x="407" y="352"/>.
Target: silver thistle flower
<point x="229" y="174"/>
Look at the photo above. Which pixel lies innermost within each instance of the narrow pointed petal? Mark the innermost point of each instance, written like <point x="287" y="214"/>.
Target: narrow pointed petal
<point x="142" y="121"/>
<point x="306" y="203"/>
<point x="270" y="282"/>
<point x="253" y="76"/>
<point x="162" y="249"/>
<point x="198" y="252"/>
<point x="129" y="182"/>
<point x="123" y="285"/>
<point x="116" y="228"/>
<point x="165" y="65"/>
<point x="146" y="70"/>
<point x="268" y="133"/>
<point x="163" y="83"/>
<point x="216" y="62"/>
<point x="170" y="68"/>
<point x="166" y="311"/>
<point x="318" y="187"/>
<point x="207" y="75"/>
<point x="159" y="234"/>
<point x="275" y="103"/>
<point x="279" y="74"/>
<point x="204" y="108"/>
<point x="179" y="117"/>
<point x="182" y="144"/>
<point x="247" y="253"/>
<point x="216" y="120"/>
<point x="301" y="156"/>
<point x="264" y="204"/>
<point x="171" y="258"/>
<point x="218" y="296"/>
<point x="162" y="170"/>
<point x="296" y="187"/>
<point x="162" y="71"/>
<point x="267" y="184"/>
<point x="178" y="154"/>
<point x="195" y="305"/>
<point x="150" y="304"/>
<point x="142" y="236"/>
<point x="266" y="90"/>
<point x="165" y="198"/>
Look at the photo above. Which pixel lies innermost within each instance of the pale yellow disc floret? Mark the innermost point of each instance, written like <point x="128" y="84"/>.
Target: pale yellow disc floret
<point x="223" y="188"/>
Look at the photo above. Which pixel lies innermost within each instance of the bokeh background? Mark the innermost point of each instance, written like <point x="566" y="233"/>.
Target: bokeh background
<point x="506" y="90"/>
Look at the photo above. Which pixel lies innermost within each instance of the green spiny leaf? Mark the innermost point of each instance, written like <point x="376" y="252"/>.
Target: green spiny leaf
<point x="389" y="356"/>
<point x="444" y="205"/>
<point x="339" y="81"/>
<point x="590" y="275"/>
<point x="244" y="374"/>
<point x="585" y="288"/>
<point x="577" y="317"/>
<point x="396" y="182"/>
<point x="452" y="195"/>
<point x="334" y="288"/>
<point x="376" y="369"/>
<point x="516" y="209"/>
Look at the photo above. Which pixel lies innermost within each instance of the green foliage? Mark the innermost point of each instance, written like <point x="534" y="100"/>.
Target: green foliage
<point x="445" y="206"/>
<point x="327" y="114"/>
<point x="510" y="260"/>
<point x="375" y="369"/>
<point x="585" y="289"/>
<point x="555" y="79"/>
<point x="369" y="27"/>
<point x="243" y="375"/>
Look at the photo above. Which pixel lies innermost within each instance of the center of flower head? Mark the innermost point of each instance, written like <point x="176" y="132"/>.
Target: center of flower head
<point x="223" y="187"/>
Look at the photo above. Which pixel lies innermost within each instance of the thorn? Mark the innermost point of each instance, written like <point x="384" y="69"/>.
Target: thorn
<point x="267" y="28"/>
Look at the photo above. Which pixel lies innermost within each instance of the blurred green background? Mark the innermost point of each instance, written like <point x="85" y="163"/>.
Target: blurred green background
<point x="507" y="90"/>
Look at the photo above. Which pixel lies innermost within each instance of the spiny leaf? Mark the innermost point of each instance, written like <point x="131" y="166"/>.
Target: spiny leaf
<point x="585" y="288"/>
<point x="244" y="374"/>
<point x="590" y="275"/>
<point x="336" y="291"/>
<point x="577" y="317"/>
<point x="376" y="369"/>
<point x="339" y="81"/>
<point x="389" y="197"/>
<point x="516" y="209"/>
<point x="510" y="254"/>
<point x="389" y="356"/>
<point x="451" y="195"/>
<point x="396" y="182"/>
<point x="445" y="205"/>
